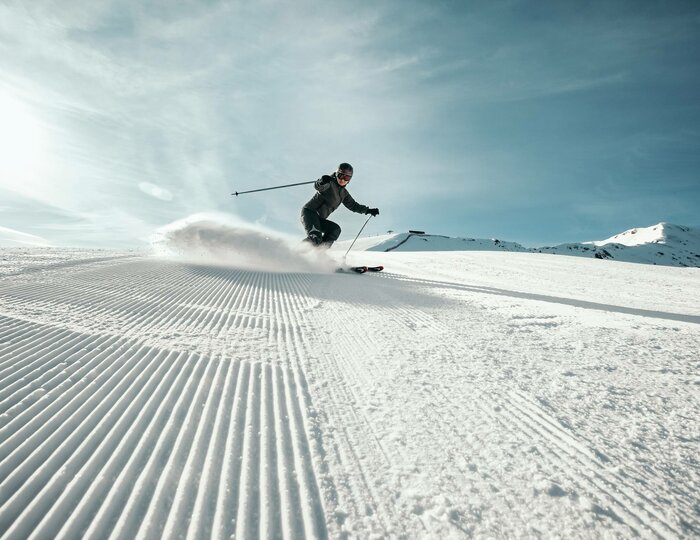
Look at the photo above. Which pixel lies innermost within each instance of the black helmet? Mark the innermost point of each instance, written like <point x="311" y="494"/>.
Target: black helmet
<point x="345" y="167"/>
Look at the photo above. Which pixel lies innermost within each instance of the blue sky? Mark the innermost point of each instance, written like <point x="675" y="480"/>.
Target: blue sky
<point x="534" y="122"/>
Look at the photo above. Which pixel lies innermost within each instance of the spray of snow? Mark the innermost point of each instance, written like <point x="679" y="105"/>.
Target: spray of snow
<point x="223" y="240"/>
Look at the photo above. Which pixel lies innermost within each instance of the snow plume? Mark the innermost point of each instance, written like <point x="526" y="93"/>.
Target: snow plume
<point x="220" y="239"/>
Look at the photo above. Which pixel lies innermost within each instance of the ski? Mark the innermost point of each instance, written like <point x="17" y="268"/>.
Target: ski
<point x="359" y="269"/>
<point x="351" y="269"/>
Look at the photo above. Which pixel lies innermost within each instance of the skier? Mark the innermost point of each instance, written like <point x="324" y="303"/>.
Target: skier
<point x="331" y="191"/>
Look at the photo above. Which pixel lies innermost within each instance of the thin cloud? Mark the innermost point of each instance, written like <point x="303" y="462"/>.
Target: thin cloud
<point x="156" y="191"/>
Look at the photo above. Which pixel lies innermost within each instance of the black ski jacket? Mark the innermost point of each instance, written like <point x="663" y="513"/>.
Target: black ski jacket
<point x="329" y="196"/>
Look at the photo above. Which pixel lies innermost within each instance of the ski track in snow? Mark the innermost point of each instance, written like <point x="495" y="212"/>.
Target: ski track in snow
<point x="144" y="398"/>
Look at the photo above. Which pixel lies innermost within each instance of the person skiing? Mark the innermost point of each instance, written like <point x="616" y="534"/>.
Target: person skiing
<point x="331" y="190"/>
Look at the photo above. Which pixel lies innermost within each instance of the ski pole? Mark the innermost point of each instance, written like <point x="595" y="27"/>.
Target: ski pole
<point x="355" y="240"/>
<point x="237" y="193"/>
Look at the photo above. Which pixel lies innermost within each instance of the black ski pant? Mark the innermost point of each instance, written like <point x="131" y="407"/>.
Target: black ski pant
<point x="327" y="230"/>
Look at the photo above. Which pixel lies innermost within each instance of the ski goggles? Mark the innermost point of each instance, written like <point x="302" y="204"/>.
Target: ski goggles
<point x="344" y="176"/>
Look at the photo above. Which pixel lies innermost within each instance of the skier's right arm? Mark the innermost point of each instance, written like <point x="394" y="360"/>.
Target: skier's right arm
<point x="323" y="183"/>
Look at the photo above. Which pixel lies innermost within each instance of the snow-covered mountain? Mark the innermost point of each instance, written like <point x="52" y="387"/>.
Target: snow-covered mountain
<point x="663" y="244"/>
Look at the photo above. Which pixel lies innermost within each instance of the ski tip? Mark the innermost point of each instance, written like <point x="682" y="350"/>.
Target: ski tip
<point x="375" y="268"/>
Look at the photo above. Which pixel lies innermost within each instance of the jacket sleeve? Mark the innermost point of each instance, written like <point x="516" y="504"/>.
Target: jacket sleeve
<point x="323" y="183"/>
<point x="354" y="206"/>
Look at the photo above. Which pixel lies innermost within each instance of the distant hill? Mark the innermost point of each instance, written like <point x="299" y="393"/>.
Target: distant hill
<point x="413" y="241"/>
<point x="663" y="244"/>
<point x="11" y="238"/>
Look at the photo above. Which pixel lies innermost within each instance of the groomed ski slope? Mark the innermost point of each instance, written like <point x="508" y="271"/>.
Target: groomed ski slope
<point x="453" y="395"/>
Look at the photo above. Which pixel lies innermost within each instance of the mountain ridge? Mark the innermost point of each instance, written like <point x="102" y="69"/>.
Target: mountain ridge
<point x="663" y="244"/>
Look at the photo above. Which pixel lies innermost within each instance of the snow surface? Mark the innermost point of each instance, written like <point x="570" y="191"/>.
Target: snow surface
<point x="457" y="394"/>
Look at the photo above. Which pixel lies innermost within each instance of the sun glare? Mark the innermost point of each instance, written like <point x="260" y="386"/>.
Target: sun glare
<point x="22" y="146"/>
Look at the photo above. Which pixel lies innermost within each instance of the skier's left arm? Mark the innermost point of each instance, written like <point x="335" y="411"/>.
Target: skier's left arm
<point x="354" y="206"/>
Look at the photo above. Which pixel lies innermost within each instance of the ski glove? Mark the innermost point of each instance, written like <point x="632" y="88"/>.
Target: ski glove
<point x="373" y="211"/>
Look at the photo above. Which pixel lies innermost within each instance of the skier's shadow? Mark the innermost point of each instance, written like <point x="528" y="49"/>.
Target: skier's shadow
<point x="584" y="304"/>
<point x="378" y="289"/>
